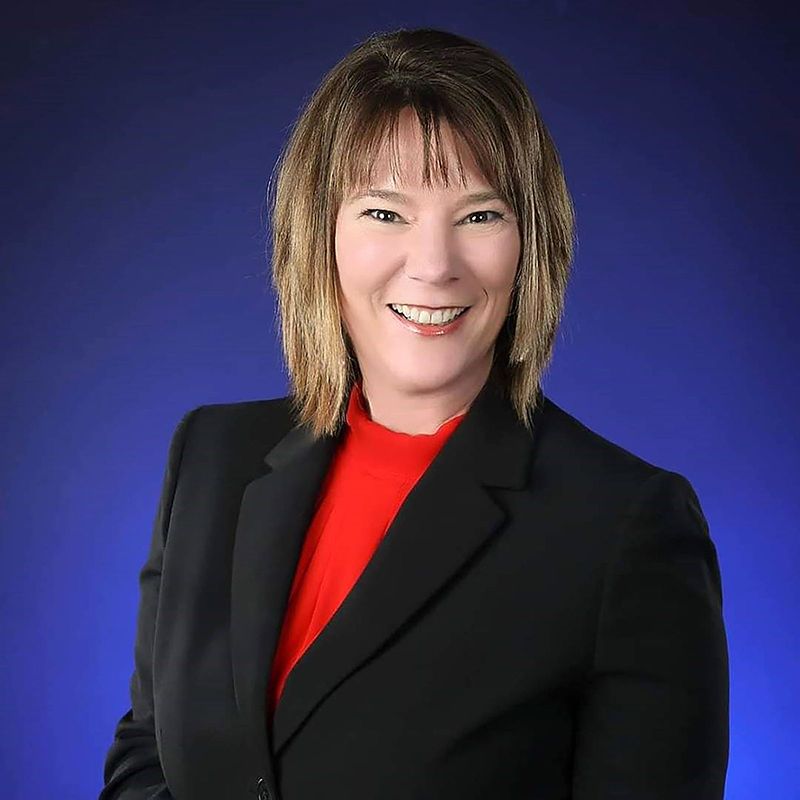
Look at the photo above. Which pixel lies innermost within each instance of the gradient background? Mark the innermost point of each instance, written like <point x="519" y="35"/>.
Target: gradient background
<point x="137" y="140"/>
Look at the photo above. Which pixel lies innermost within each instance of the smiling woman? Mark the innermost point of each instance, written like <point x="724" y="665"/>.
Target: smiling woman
<point x="438" y="247"/>
<point x="410" y="180"/>
<point x="416" y="576"/>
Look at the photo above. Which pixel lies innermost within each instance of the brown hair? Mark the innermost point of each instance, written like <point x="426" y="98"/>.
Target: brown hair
<point x="332" y="147"/>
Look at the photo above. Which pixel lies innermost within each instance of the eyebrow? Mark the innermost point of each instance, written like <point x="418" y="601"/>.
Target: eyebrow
<point x="399" y="197"/>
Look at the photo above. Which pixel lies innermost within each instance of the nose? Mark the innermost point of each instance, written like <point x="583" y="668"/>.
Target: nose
<point x="432" y="256"/>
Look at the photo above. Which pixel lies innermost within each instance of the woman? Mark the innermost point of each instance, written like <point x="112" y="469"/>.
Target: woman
<point x="416" y="576"/>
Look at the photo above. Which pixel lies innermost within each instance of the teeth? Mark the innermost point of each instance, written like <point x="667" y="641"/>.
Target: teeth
<point x="424" y="317"/>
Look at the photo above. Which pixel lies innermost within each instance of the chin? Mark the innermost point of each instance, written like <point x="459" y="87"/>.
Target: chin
<point x="422" y="378"/>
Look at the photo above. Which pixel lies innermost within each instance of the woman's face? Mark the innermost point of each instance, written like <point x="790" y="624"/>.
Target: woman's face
<point x="427" y="248"/>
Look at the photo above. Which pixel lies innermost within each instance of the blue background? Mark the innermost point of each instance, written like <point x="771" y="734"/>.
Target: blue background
<point x="137" y="140"/>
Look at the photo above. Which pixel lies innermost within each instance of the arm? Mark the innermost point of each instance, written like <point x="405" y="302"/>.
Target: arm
<point x="132" y="769"/>
<point x="653" y="722"/>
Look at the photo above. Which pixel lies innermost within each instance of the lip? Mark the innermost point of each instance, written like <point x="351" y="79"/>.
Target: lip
<point x="430" y="330"/>
<point x="431" y="308"/>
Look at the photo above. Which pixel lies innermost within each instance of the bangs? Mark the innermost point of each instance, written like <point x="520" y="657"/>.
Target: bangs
<point x="372" y="126"/>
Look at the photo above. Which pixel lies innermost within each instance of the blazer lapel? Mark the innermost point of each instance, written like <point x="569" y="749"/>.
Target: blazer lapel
<point x="275" y="512"/>
<point x="442" y="524"/>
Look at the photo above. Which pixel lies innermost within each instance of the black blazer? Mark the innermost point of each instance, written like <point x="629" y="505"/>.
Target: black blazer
<point x="542" y="620"/>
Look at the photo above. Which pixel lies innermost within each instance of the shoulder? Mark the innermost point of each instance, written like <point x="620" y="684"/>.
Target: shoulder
<point x="247" y="416"/>
<point x="599" y="474"/>
<point x="240" y="432"/>
<point x="568" y="442"/>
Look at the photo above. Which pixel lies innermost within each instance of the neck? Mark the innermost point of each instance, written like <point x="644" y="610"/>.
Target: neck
<point x="420" y="412"/>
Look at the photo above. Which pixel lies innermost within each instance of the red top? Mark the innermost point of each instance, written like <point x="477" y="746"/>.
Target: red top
<point x="371" y="473"/>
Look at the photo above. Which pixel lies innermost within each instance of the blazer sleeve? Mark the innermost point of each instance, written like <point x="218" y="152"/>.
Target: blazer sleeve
<point x="132" y="769"/>
<point x="653" y="720"/>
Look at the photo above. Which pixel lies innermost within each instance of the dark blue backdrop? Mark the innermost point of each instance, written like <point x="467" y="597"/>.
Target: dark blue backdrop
<point x="136" y="144"/>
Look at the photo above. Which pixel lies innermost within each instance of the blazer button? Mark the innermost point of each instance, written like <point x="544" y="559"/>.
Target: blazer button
<point x="262" y="790"/>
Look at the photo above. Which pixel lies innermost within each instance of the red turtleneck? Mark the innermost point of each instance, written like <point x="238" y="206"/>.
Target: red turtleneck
<point x="371" y="473"/>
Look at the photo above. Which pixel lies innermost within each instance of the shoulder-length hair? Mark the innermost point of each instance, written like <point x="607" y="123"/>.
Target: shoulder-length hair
<point x="331" y="150"/>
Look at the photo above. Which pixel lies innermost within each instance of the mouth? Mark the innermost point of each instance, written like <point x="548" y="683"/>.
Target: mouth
<point x="444" y="319"/>
<point x="435" y="323"/>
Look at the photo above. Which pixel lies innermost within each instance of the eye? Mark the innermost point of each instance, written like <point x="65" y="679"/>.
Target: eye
<point x="497" y="214"/>
<point x="385" y="215"/>
<point x="383" y="211"/>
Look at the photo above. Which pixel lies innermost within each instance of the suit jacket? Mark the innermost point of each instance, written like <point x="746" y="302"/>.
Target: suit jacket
<point x="543" y="619"/>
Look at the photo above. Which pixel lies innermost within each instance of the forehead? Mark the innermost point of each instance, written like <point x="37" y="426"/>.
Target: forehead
<point x="398" y="159"/>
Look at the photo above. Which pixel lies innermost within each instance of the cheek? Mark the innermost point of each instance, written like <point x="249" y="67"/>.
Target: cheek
<point x="361" y="261"/>
<point x="497" y="267"/>
<point x="508" y="253"/>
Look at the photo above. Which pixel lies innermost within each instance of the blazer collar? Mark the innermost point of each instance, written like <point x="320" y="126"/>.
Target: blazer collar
<point x="488" y="430"/>
<point x="489" y="448"/>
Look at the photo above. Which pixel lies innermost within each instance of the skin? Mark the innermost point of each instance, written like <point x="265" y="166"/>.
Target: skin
<point x="435" y="249"/>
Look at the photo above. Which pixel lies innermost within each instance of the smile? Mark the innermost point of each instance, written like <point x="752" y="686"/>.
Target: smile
<point x="446" y="320"/>
<point x="427" y="315"/>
